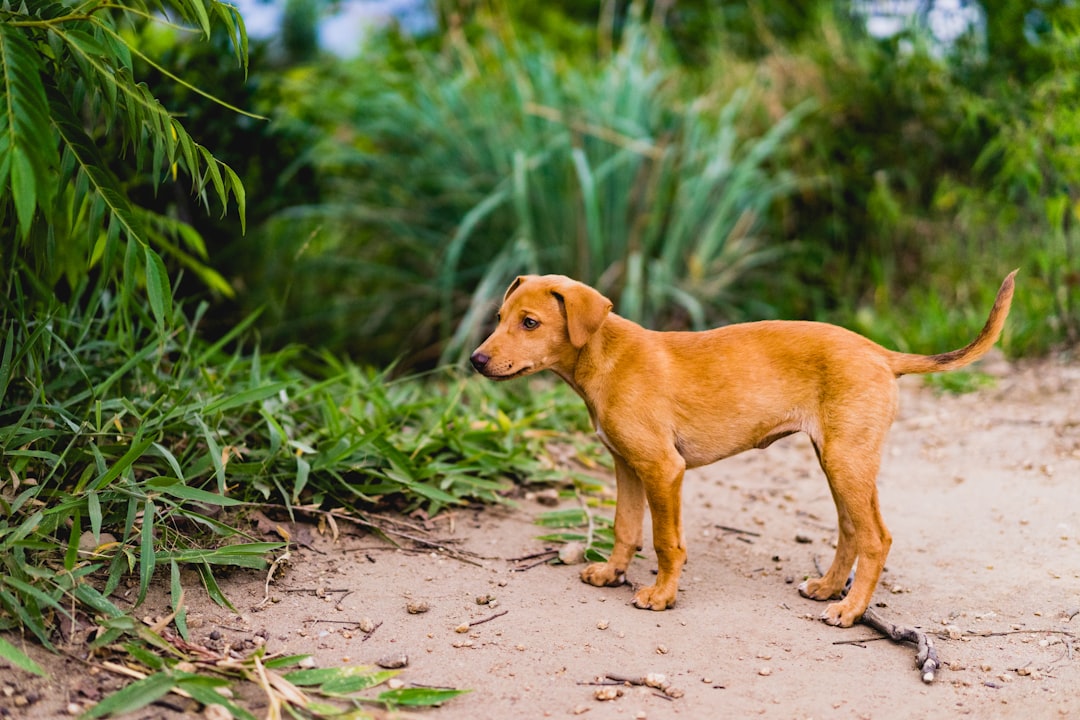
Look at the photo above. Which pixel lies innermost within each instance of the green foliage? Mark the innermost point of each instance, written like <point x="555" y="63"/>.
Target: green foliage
<point x="327" y="692"/>
<point x="960" y="382"/>
<point x="495" y="157"/>
<point x="598" y="536"/>
<point x="67" y="80"/>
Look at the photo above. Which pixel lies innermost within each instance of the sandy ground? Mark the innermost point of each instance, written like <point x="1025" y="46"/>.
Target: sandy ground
<point x="980" y="491"/>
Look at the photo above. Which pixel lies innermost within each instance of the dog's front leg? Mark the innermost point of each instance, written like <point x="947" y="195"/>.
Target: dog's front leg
<point x="629" y="513"/>
<point x="663" y="488"/>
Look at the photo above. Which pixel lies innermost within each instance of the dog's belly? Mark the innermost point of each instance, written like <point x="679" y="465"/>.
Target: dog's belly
<point x="704" y="449"/>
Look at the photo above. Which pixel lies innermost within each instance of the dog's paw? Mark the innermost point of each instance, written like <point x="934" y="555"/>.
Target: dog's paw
<point x="603" y="575"/>
<point x="841" y="614"/>
<point x="816" y="589"/>
<point x="654" y="597"/>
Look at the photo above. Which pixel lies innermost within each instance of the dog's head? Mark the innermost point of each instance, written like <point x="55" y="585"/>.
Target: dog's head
<point x="543" y="322"/>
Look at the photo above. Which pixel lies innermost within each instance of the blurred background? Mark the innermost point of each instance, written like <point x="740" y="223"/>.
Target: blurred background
<point x="881" y="165"/>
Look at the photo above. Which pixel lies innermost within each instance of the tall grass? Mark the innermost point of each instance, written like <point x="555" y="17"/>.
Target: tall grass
<point x="495" y="157"/>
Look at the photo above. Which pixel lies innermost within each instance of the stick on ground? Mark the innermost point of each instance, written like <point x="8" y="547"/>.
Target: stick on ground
<point x="926" y="658"/>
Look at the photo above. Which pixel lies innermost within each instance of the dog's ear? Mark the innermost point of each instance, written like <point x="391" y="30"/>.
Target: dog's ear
<point x="514" y="286"/>
<point x="585" y="308"/>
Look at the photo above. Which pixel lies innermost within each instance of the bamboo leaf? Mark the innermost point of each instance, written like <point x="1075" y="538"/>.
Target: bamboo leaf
<point x="147" y="556"/>
<point x="19" y="659"/>
<point x="418" y="697"/>
<point x="137" y="695"/>
<point x="158" y="288"/>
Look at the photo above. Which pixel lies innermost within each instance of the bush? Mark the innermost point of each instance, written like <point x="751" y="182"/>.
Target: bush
<point x="493" y="158"/>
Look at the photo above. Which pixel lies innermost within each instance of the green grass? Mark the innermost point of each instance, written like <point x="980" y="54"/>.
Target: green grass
<point x="129" y="452"/>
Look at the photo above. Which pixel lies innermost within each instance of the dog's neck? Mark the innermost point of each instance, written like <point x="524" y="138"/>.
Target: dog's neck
<point x="589" y="370"/>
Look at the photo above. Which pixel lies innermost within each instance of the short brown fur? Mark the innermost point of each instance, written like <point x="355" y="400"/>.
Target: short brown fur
<point x="663" y="402"/>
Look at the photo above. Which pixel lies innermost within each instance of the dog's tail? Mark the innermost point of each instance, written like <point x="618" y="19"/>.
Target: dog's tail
<point x="906" y="363"/>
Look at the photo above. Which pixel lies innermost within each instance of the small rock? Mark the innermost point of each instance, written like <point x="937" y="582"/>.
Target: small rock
<point x="74" y="709"/>
<point x="673" y="692"/>
<point x="954" y="632"/>
<point x="393" y="662"/>
<point x="307" y="663"/>
<point x="548" y="497"/>
<point x="764" y="671"/>
<point x="416" y="607"/>
<point x="656" y="680"/>
<point x="216" y="711"/>
<point x="395" y="683"/>
<point x="1024" y="671"/>
<point x="367" y="625"/>
<point x="602" y="625"/>
<point x="661" y="650"/>
<point x="485" y="599"/>
<point x="572" y="553"/>
<point x="580" y="710"/>
<point x="462" y="628"/>
<point x="607" y="693"/>
<point x="803" y="539"/>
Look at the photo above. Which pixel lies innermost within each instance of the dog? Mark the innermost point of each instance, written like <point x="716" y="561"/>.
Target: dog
<point x="663" y="402"/>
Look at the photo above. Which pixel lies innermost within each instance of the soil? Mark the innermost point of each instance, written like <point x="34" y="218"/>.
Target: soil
<point x="981" y="492"/>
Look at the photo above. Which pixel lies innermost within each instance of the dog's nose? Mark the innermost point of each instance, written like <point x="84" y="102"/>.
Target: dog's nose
<point x="479" y="360"/>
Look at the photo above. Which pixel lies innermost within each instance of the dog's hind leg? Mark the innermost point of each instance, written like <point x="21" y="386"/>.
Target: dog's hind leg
<point x="851" y="468"/>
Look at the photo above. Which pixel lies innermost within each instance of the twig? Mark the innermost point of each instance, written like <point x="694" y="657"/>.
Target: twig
<point x="489" y="618"/>
<point x="384" y="530"/>
<point x="315" y="590"/>
<point x="547" y="558"/>
<point x="373" y="629"/>
<point x="737" y="531"/>
<point x="533" y="556"/>
<point x="926" y="658"/>
<point x="588" y="517"/>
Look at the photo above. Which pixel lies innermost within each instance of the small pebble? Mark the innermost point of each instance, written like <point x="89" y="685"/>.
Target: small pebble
<point x="607" y="693"/>
<point x="764" y="671"/>
<point x="395" y="684"/>
<point x="417" y="607"/>
<point x="602" y="625"/>
<point x="367" y="625"/>
<point x="572" y="553"/>
<point x="393" y="662"/>
<point x="462" y="628"/>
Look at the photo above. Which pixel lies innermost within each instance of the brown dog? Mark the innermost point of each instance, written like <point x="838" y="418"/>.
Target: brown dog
<point x="663" y="402"/>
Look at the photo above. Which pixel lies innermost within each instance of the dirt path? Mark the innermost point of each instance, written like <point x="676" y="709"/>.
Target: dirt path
<point x="981" y="492"/>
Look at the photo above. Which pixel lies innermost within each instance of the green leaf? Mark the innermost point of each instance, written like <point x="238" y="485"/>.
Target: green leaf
<point x="16" y="657"/>
<point x="178" y="490"/>
<point x="418" y="697"/>
<point x="251" y="396"/>
<point x="158" y="288"/>
<point x="362" y="676"/>
<point x="176" y="592"/>
<point x="147" y="556"/>
<point x="137" y="695"/>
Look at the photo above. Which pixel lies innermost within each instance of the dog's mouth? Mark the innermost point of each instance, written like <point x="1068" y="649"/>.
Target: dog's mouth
<point x="527" y="370"/>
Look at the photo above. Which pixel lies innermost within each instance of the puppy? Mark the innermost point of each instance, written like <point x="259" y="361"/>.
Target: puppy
<point x="663" y="402"/>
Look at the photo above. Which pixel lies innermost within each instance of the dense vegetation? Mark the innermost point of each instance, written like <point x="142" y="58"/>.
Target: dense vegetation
<point x="178" y="308"/>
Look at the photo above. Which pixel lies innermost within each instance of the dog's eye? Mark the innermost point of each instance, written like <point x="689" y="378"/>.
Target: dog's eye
<point x="498" y="317"/>
<point x="530" y="324"/>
